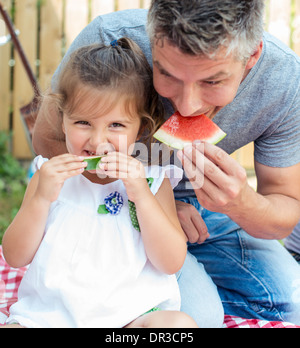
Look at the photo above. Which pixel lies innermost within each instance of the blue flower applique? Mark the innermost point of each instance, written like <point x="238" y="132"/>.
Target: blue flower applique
<point x="113" y="204"/>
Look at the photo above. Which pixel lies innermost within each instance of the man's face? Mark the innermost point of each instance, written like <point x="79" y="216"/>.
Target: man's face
<point x="196" y="85"/>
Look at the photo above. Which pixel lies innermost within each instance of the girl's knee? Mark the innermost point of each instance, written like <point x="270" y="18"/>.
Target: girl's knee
<point x="164" y="319"/>
<point x="12" y="326"/>
<point x="182" y="320"/>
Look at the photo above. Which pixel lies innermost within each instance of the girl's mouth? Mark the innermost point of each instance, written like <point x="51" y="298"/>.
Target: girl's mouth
<point x="102" y="149"/>
<point x="89" y="153"/>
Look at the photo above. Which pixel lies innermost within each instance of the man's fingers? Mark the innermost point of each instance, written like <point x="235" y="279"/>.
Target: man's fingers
<point x="192" y="223"/>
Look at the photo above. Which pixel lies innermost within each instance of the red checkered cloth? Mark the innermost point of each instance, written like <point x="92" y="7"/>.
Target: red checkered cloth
<point x="10" y="280"/>
<point x="239" y="323"/>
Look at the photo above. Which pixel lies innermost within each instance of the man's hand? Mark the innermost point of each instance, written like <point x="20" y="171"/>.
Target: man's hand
<point x="192" y="223"/>
<point x="220" y="183"/>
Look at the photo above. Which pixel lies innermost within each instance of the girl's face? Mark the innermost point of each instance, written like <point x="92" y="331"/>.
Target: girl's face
<point x="91" y="131"/>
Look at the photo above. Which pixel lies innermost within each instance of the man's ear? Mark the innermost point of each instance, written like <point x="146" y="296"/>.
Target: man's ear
<point x="255" y="57"/>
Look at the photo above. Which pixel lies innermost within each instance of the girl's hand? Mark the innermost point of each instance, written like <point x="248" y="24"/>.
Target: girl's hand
<point x="129" y="170"/>
<point x="55" y="172"/>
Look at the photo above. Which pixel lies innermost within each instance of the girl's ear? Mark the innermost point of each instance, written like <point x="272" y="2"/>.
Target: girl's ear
<point x="141" y="131"/>
<point x="63" y="126"/>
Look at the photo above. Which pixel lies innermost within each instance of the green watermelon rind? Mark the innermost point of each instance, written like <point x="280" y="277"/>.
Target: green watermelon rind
<point x="178" y="144"/>
<point x="92" y="162"/>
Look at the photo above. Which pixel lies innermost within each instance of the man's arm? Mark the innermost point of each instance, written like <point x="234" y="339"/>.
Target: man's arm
<point x="48" y="137"/>
<point x="270" y="213"/>
<point x="280" y="187"/>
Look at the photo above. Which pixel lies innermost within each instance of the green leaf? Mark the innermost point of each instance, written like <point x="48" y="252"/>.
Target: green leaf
<point x="102" y="210"/>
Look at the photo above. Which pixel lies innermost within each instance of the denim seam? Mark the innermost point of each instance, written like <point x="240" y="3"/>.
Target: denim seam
<point x="243" y="245"/>
<point x="269" y="299"/>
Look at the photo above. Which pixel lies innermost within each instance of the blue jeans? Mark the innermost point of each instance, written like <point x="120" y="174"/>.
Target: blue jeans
<point x="199" y="295"/>
<point x="255" y="278"/>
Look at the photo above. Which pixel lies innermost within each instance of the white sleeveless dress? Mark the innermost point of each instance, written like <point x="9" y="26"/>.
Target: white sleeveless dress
<point x="91" y="269"/>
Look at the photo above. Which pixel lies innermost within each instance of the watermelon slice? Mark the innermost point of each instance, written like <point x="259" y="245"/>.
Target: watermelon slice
<point x="180" y="131"/>
<point x="92" y="162"/>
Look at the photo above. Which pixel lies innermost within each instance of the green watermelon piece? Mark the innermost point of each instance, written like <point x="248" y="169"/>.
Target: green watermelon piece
<point x="92" y="162"/>
<point x="180" y="131"/>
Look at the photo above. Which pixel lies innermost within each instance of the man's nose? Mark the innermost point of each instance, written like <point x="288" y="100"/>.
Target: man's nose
<point x="190" y="103"/>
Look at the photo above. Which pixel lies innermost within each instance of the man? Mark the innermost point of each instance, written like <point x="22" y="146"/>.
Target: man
<point x="292" y="243"/>
<point x="212" y="57"/>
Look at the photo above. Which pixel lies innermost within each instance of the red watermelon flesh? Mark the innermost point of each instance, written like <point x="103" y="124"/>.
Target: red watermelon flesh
<point x="180" y="131"/>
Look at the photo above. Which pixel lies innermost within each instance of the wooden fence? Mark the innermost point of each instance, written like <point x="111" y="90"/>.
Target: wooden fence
<point x="47" y="28"/>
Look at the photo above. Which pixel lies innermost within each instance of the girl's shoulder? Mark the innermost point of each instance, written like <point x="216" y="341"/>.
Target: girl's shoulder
<point x="38" y="162"/>
<point x="157" y="174"/>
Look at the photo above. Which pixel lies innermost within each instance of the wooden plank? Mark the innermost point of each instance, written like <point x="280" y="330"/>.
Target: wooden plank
<point x="245" y="156"/>
<point x="51" y="34"/>
<point x="280" y="20"/>
<point x="100" y="7"/>
<point x="26" y="22"/>
<point x="5" y="75"/>
<point x="76" y="19"/>
<point x="146" y="4"/>
<point x="128" y="4"/>
<point x="296" y="24"/>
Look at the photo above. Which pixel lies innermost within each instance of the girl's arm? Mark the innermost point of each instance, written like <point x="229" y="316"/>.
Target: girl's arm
<point x="23" y="237"/>
<point x="163" y="237"/>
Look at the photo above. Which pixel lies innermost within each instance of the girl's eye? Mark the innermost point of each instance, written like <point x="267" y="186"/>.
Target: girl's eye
<point x="116" y="125"/>
<point x="83" y="123"/>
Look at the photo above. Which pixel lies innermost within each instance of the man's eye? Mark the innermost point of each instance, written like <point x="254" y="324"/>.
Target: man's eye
<point x="213" y="83"/>
<point x="164" y="73"/>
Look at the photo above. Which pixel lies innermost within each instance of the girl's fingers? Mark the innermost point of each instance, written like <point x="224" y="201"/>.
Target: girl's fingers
<point x="120" y="165"/>
<point x="66" y="164"/>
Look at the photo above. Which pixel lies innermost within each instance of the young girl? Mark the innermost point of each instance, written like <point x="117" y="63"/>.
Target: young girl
<point x="91" y="263"/>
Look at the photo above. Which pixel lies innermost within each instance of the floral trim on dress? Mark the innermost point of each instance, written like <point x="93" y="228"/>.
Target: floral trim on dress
<point x="114" y="203"/>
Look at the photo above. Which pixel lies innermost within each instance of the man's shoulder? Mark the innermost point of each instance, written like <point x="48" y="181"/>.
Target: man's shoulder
<point x="279" y="53"/>
<point x="112" y="26"/>
<point x="126" y="18"/>
<point x="279" y="66"/>
<point x="109" y="27"/>
<point x="123" y="19"/>
<point x="127" y="23"/>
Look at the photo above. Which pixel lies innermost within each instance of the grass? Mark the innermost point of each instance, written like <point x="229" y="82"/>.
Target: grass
<point x="12" y="184"/>
<point x="9" y="206"/>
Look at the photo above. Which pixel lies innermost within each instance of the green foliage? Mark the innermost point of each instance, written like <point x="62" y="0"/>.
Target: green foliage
<point x="12" y="175"/>
<point x="12" y="184"/>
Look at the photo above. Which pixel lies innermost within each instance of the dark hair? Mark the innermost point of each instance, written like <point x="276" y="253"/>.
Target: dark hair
<point x="120" y="71"/>
<point x="203" y="27"/>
